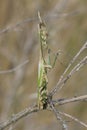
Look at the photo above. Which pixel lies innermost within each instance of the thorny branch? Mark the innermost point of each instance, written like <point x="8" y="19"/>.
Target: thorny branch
<point x="70" y="100"/>
<point x="16" y="117"/>
<point x="75" y="69"/>
<point x="58" y="116"/>
<point x="65" y="127"/>
<point x="63" y="79"/>
<point x="73" y="118"/>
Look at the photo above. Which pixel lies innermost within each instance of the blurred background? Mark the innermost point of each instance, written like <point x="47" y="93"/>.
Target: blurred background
<point x="67" y="26"/>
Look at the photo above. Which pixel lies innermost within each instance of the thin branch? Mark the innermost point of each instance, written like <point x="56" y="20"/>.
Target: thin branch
<point x="14" y="69"/>
<point x="8" y="28"/>
<point x="63" y="80"/>
<point x="16" y="117"/>
<point x="70" y="100"/>
<point x="75" y="69"/>
<point x="18" y="77"/>
<point x="58" y="116"/>
<point x="27" y="20"/>
<point x="73" y="118"/>
<point x="56" y="12"/>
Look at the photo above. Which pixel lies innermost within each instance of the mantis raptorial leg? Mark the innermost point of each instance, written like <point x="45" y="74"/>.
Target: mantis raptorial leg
<point x="43" y="65"/>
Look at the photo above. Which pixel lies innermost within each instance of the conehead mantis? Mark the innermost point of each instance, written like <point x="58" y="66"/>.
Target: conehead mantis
<point x="43" y="65"/>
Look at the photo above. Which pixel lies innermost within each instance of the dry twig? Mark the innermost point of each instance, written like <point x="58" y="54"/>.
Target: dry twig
<point x="16" y="117"/>
<point x="63" y="79"/>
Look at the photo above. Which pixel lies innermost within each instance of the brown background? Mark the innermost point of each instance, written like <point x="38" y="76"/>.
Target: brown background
<point x="67" y="26"/>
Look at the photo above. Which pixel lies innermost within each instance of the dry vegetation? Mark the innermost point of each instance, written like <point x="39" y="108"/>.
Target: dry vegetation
<point x="67" y="26"/>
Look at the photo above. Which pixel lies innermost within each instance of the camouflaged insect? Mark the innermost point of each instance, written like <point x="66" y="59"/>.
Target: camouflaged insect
<point x="43" y="65"/>
<point x="42" y="69"/>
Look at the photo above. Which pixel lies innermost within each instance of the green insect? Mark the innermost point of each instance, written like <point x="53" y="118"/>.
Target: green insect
<point x="43" y="65"/>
